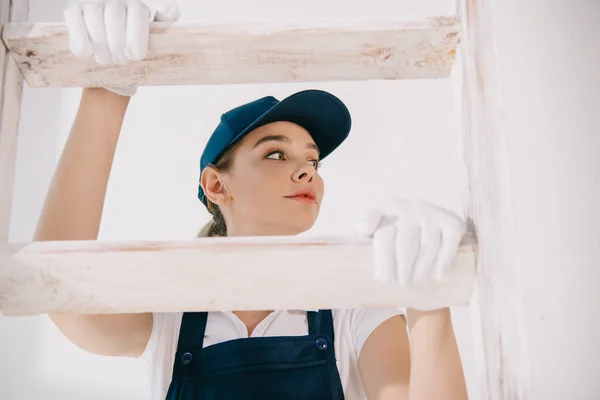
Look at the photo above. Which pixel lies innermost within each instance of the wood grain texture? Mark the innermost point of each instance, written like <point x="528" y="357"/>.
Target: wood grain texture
<point x="11" y="83"/>
<point x="252" y="273"/>
<point x="499" y="292"/>
<point x="192" y="54"/>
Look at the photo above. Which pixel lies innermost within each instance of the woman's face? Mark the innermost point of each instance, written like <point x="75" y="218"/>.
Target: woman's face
<point x="273" y="184"/>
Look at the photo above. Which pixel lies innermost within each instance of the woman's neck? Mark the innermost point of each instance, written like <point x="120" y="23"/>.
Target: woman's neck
<point x="260" y="230"/>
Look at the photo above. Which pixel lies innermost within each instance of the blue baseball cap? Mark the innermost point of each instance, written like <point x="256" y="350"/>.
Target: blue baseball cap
<point x="322" y="114"/>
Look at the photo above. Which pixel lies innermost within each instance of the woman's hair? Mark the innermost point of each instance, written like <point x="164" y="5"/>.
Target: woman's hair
<point x="217" y="227"/>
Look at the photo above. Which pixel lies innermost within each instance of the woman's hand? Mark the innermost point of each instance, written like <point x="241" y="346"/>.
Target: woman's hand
<point x="114" y="31"/>
<point x="413" y="242"/>
<point x="416" y="243"/>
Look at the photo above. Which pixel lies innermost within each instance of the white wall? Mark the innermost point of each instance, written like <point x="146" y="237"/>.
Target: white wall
<point x="549" y="58"/>
<point x="404" y="142"/>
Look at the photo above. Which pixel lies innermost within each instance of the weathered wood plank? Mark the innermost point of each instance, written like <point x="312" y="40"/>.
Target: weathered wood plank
<point x="250" y="273"/>
<point x="185" y="54"/>
<point x="497" y="283"/>
<point x="11" y="84"/>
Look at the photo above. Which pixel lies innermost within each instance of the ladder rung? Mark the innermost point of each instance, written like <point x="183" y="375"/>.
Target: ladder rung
<point x="251" y="273"/>
<point x="183" y="54"/>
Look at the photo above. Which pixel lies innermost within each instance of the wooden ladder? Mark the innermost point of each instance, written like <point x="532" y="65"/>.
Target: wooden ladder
<point x="78" y="276"/>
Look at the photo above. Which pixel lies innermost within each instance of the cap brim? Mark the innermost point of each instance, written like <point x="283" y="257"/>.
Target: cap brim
<point x="323" y="115"/>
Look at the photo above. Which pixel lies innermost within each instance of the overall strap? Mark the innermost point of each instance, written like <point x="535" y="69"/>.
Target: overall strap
<point x="320" y="322"/>
<point x="191" y="333"/>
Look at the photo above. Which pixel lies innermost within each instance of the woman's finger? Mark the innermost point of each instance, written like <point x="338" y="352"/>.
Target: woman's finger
<point x="115" y="18"/>
<point x="452" y="234"/>
<point x="407" y="246"/>
<point x="167" y="13"/>
<point x="367" y="222"/>
<point x="384" y="254"/>
<point x="429" y="247"/>
<point x="79" y="40"/>
<point x="93" y="15"/>
<point x="138" y="30"/>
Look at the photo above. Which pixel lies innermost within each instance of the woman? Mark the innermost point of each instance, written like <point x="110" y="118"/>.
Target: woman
<point x="258" y="176"/>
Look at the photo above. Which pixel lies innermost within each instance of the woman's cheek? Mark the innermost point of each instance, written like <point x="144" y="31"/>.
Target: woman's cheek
<point x="319" y="186"/>
<point x="274" y="171"/>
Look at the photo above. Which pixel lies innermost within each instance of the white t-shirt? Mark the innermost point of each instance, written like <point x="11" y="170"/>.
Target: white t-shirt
<point x="351" y="327"/>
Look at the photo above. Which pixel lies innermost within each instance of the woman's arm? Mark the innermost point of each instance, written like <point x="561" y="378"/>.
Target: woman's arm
<point x="73" y="210"/>
<point x="74" y="202"/>
<point x="414" y="243"/>
<point x="436" y="369"/>
<point x="384" y="361"/>
<point x="426" y="367"/>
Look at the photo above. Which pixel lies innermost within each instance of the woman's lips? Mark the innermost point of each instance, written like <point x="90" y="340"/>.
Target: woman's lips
<point x="306" y="199"/>
<point x="304" y="195"/>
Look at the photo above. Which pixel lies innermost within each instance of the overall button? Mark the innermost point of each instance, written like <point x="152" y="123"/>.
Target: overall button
<point x="321" y="344"/>
<point x="187" y="358"/>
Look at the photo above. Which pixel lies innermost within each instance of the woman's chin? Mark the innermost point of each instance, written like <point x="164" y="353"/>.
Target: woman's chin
<point x="295" y="224"/>
<point x="302" y="224"/>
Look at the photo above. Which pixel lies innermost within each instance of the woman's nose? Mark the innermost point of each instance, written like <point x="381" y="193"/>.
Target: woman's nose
<point x="304" y="173"/>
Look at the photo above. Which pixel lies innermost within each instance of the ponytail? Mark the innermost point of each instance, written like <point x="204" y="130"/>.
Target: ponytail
<point x="215" y="227"/>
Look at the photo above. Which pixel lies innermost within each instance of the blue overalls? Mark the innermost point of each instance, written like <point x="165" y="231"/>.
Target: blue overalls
<point x="260" y="368"/>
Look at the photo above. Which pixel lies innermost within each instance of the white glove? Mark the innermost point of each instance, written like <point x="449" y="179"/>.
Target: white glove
<point x="114" y="31"/>
<point x="413" y="242"/>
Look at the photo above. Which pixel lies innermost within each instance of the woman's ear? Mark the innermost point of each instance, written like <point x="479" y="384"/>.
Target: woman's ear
<point x="214" y="186"/>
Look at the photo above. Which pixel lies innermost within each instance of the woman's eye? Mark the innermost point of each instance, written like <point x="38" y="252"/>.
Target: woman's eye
<point x="278" y="155"/>
<point x="275" y="155"/>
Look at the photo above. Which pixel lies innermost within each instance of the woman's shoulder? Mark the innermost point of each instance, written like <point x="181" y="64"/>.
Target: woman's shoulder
<point x="162" y="320"/>
<point x="361" y="315"/>
<point x="165" y="332"/>
<point x="354" y="325"/>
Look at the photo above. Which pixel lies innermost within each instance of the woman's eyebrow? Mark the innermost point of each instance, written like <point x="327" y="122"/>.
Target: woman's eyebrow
<point x="277" y="138"/>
